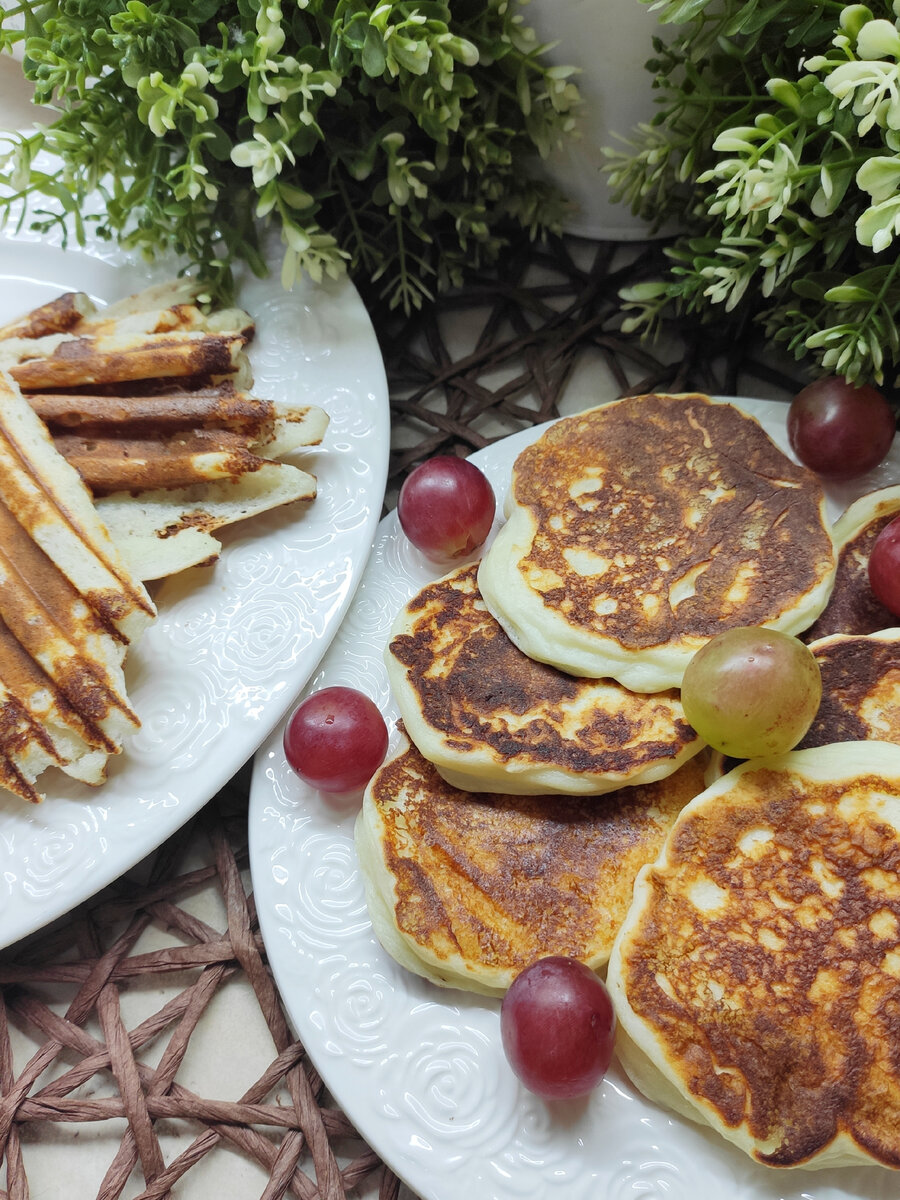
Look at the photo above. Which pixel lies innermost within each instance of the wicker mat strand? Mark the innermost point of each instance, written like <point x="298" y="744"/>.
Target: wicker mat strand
<point x="551" y="307"/>
<point x="93" y="952"/>
<point x="555" y="305"/>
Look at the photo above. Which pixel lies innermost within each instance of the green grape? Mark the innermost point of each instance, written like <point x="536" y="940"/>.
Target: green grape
<point x="751" y="692"/>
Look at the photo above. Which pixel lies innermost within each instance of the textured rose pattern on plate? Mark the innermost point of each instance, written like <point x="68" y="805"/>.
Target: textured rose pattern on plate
<point x="420" y="1069"/>
<point x="234" y="642"/>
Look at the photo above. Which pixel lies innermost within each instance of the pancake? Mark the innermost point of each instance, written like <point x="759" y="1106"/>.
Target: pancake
<point x="491" y="719"/>
<point x="639" y="530"/>
<point x="756" y="978"/>
<point x="860" y="689"/>
<point x="852" y="606"/>
<point x="466" y="888"/>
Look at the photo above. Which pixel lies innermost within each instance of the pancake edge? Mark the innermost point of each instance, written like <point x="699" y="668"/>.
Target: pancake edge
<point x="633" y="1034"/>
<point x="862" y="512"/>
<point x="595" y="655"/>
<point x="476" y="770"/>
<point x="380" y="899"/>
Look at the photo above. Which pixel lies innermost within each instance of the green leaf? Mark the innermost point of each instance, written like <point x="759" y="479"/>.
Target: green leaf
<point x="465" y="84"/>
<point x="374" y="60"/>
<point x="679" y="12"/>
<point x="523" y="89"/>
<point x="848" y="294"/>
<point x="217" y="142"/>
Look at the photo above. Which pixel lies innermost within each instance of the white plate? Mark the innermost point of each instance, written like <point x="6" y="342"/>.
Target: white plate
<point x="419" y="1069"/>
<point x="233" y="643"/>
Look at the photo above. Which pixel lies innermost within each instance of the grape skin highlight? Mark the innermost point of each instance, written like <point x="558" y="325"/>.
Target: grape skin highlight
<point x="336" y="740"/>
<point x="557" y="1025"/>
<point x="751" y="692"/>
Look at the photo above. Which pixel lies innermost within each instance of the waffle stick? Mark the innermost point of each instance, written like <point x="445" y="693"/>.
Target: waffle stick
<point x="170" y="422"/>
<point x="148" y="400"/>
<point x="58" y="316"/>
<point x="69" y="609"/>
<point x="63" y="360"/>
<point x="194" y="456"/>
<point x="156" y="309"/>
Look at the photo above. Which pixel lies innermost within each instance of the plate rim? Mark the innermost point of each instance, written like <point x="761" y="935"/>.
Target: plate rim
<point x="20" y="920"/>
<point x="413" y="1172"/>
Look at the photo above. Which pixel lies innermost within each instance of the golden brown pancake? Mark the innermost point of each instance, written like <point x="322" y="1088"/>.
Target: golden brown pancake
<point x="756" y="978"/>
<point x="491" y="719"/>
<point x="639" y="530"/>
<point x="852" y="607"/>
<point x="860" y="689"/>
<point x="467" y="888"/>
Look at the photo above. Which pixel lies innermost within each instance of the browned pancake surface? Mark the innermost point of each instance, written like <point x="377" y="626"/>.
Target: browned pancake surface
<point x="860" y="690"/>
<point x="497" y="881"/>
<point x="474" y="687"/>
<point x="693" y="518"/>
<point x="781" y="1005"/>
<point x="852" y="606"/>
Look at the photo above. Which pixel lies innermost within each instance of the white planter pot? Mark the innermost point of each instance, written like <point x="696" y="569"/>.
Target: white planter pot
<point x="609" y="40"/>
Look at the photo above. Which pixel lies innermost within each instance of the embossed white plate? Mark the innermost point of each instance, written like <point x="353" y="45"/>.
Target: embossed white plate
<point x="420" y="1069"/>
<point x="234" y="642"/>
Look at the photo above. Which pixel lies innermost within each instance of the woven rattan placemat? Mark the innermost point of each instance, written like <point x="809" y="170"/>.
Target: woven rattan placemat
<point x="496" y="357"/>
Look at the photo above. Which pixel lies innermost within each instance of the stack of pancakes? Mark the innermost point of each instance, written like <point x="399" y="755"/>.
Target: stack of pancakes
<point x="551" y="767"/>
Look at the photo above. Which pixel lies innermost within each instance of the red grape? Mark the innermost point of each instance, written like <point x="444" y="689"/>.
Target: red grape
<point x="446" y="507"/>
<point x="336" y="739"/>
<point x="884" y="567"/>
<point x="752" y="691"/>
<point x="838" y="430"/>
<point x="558" y="1027"/>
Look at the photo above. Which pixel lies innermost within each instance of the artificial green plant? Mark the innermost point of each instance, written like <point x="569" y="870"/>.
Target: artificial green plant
<point x="396" y="139"/>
